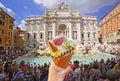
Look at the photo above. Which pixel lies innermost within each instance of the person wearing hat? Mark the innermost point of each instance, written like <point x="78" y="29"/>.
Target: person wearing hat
<point x="17" y="73"/>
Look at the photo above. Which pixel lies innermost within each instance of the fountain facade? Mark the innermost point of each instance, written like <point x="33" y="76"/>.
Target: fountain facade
<point x="61" y="20"/>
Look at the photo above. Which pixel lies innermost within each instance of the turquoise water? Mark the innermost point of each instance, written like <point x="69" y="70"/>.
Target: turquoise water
<point x="84" y="59"/>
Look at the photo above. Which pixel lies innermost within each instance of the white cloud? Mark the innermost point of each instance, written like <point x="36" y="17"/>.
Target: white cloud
<point x="7" y="10"/>
<point x="22" y="25"/>
<point x="85" y="6"/>
<point x="46" y="3"/>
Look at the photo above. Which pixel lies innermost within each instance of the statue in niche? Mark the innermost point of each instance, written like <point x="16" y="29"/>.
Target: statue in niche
<point x="75" y="35"/>
<point x="50" y="35"/>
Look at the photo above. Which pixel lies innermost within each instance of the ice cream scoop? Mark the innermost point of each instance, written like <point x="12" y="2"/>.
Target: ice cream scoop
<point x="58" y="40"/>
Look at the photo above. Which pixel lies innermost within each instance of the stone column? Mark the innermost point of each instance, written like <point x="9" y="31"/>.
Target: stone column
<point x="70" y="30"/>
<point x="85" y="37"/>
<point x="54" y="30"/>
<point x="67" y="34"/>
<point x="45" y="32"/>
<point x="78" y="32"/>
<point x="31" y="35"/>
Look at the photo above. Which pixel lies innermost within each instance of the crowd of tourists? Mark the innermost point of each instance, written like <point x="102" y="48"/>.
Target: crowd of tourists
<point x="114" y="43"/>
<point x="95" y="71"/>
<point x="10" y="54"/>
<point x="108" y="70"/>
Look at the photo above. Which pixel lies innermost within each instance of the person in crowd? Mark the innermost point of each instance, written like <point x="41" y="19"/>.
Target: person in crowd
<point x="45" y="78"/>
<point x="112" y="75"/>
<point x="29" y="73"/>
<point x="94" y="72"/>
<point x="2" y="75"/>
<point x="77" y="72"/>
<point x="117" y="67"/>
<point x="38" y="74"/>
<point x="85" y="72"/>
<point x="23" y="66"/>
<point x="9" y="70"/>
<point x="17" y="73"/>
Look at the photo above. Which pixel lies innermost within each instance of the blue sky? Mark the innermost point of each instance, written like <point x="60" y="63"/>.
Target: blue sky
<point x="20" y="9"/>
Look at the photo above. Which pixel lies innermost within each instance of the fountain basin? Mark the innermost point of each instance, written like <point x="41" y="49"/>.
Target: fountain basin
<point x="85" y="59"/>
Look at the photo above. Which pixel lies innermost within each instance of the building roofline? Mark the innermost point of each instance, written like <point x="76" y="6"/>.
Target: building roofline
<point x="110" y="10"/>
<point x="7" y="13"/>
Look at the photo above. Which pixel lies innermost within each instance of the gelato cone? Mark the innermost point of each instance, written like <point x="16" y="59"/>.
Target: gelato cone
<point x="63" y="59"/>
<point x="61" y="55"/>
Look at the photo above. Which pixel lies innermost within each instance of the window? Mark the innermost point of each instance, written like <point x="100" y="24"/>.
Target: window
<point x="11" y="34"/>
<point x="40" y="44"/>
<point x="111" y="28"/>
<point x="110" y="16"/>
<point x="34" y="35"/>
<point x="82" y="43"/>
<point x="0" y="40"/>
<point x="50" y="35"/>
<point x="2" y="16"/>
<point x="11" y="22"/>
<point x="117" y="26"/>
<point x="41" y="36"/>
<point x="28" y="36"/>
<point x="88" y="35"/>
<point x="82" y="35"/>
<point x="1" y="23"/>
<point x="116" y="11"/>
<point x="106" y="25"/>
<point x="117" y="18"/>
<point x="34" y="45"/>
<point x="10" y="27"/>
<point x="2" y="31"/>
<point x="111" y="22"/>
<point x="105" y="19"/>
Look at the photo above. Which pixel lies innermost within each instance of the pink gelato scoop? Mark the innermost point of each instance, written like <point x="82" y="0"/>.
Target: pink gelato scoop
<point x="58" y="40"/>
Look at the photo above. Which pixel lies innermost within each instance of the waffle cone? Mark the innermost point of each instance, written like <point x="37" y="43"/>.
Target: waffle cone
<point x="52" y="47"/>
<point x="63" y="61"/>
